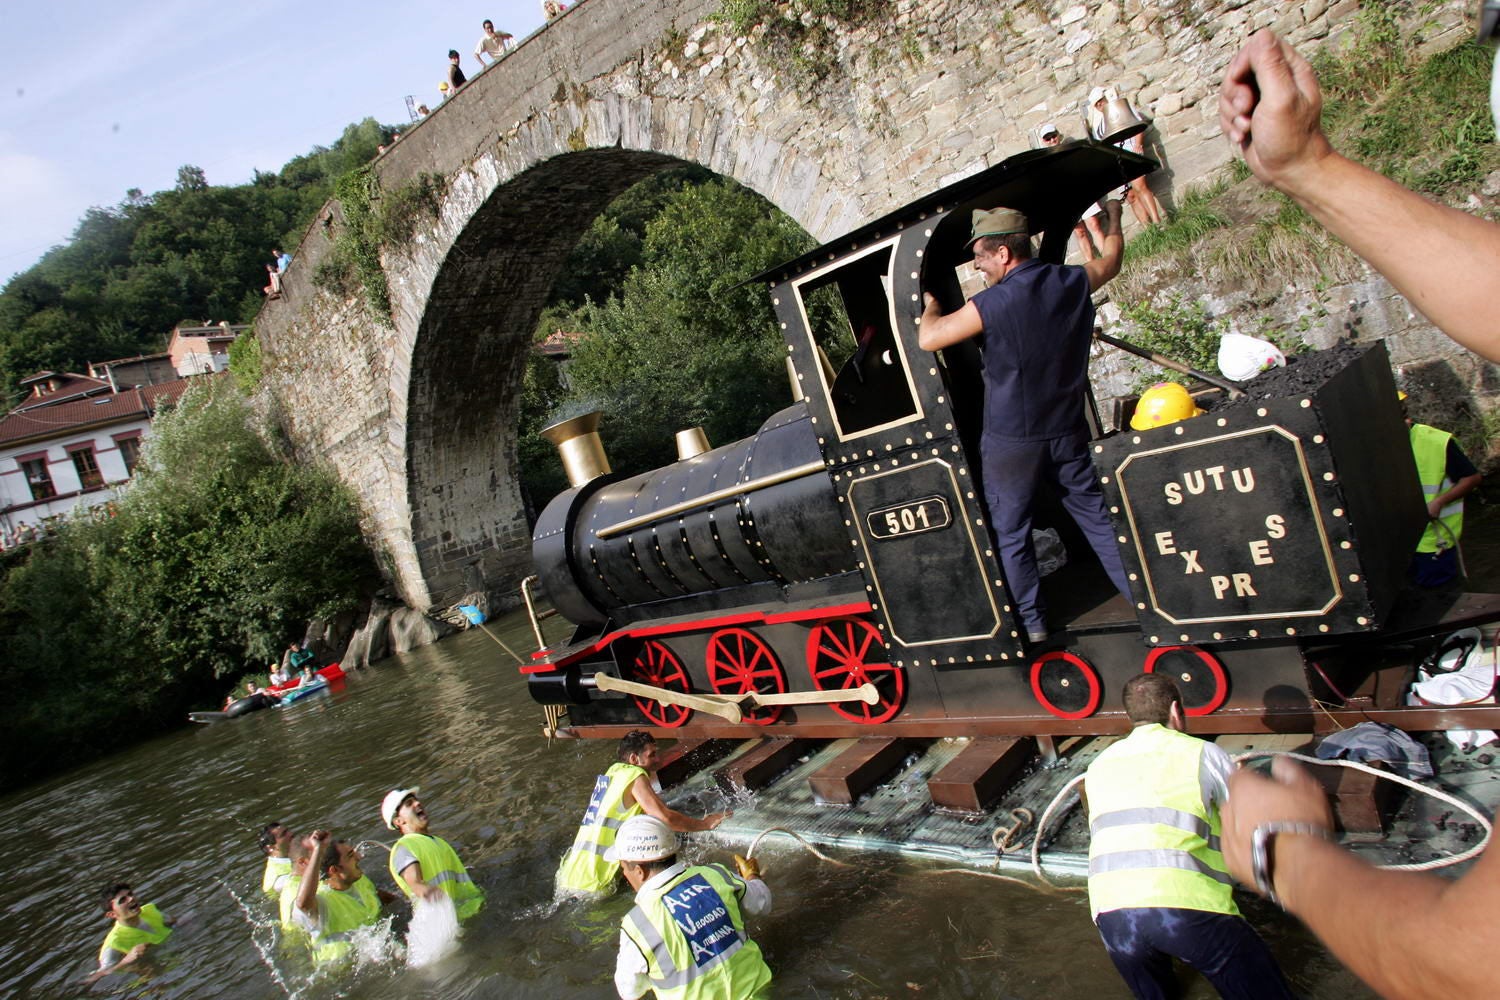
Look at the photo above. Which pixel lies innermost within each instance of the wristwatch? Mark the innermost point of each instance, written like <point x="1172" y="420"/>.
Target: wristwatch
<point x="1261" y="861"/>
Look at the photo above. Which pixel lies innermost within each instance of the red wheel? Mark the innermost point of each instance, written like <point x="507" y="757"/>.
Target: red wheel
<point x="1065" y="684"/>
<point x="1199" y="676"/>
<point x="740" y="662"/>
<point x="655" y="664"/>
<point x="844" y="653"/>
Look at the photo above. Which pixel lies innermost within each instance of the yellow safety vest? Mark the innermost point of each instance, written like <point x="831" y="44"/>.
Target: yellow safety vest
<point x="1153" y="840"/>
<point x="277" y="870"/>
<point x="153" y="929"/>
<point x="369" y="896"/>
<point x="1429" y="446"/>
<point x="440" y="867"/>
<point x="343" y="913"/>
<point x="290" y="929"/>
<point x="692" y="934"/>
<point x="583" y="868"/>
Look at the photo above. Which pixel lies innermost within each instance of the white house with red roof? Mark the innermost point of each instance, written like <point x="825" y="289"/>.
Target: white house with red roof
<point x="74" y="440"/>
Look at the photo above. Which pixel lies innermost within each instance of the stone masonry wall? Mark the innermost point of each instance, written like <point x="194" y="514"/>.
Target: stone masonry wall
<point x="418" y="413"/>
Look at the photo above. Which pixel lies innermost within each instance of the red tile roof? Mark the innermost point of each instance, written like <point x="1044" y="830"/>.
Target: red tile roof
<point x="61" y="419"/>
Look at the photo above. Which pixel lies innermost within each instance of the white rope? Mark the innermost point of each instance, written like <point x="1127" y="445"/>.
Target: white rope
<point x="1438" y="794"/>
<point x="750" y="853"/>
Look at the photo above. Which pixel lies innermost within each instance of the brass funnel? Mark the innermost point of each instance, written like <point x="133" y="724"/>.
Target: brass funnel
<point x="691" y="443"/>
<point x="578" y="445"/>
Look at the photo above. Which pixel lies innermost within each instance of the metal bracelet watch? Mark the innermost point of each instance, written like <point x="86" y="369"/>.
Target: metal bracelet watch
<point x="1260" y="851"/>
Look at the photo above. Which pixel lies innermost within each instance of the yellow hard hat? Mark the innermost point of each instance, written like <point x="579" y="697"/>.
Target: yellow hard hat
<point x="1164" y="403"/>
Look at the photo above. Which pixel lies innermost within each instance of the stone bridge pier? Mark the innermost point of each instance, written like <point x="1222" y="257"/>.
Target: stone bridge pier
<point x="417" y="410"/>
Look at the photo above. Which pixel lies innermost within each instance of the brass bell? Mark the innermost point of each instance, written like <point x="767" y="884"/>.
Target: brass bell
<point x="1121" y="121"/>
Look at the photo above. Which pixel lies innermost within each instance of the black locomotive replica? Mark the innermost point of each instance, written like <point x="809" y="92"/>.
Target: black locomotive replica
<point x="833" y="575"/>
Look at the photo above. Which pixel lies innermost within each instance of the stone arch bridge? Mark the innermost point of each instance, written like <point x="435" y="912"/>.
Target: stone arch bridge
<point x="417" y="413"/>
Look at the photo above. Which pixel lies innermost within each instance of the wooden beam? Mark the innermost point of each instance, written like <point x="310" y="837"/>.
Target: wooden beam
<point x="861" y="766"/>
<point x="685" y="758"/>
<point x="755" y="769"/>
<point x="981" y="773"/>
<point x="1362" y="803"/>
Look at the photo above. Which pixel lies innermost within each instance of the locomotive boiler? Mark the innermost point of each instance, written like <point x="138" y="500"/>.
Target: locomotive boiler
<point x="834" y="575"/>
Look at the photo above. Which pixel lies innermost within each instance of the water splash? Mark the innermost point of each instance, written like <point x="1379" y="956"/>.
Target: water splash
<point x="432" y="934"/>
<point x="360" y="847"/>
<point x="263" y="936"/>
<point x="377" y="944"/>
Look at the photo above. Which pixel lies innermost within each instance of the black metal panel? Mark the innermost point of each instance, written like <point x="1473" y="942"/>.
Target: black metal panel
<point x="700" y="529"/>
<point x="1256" y="520"/>
<point x="552" y="554"/>
<point x="798" y="524"/>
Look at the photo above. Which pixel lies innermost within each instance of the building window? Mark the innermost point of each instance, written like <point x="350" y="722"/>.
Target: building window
<point x="130" y="453"/>
<point x="38" y="478"/>
<point x="88" y="468"/>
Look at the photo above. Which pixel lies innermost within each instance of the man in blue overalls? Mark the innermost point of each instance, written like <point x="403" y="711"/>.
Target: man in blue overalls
<point x="1037" y="320"/>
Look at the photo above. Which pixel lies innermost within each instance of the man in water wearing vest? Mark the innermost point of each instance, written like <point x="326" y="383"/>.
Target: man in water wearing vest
<point x="136" y="928"/>
<point x="686" y="938"/>
<point x="1158" y="886"/>
<point x="276" y="842"/>
<point x="332" y="897"/>
<point x="423" y="865"/>
<point x="1447" y="476"/>
<point x="626" y="789"/>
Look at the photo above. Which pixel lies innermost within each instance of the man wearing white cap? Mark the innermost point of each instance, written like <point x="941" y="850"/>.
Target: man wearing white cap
<point x="1037" y="321"/>
<point x="424" y="865"/>
<point x="686" y="937"/>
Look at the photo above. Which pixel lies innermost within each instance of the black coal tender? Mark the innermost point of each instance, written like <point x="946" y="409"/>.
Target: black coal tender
<point x="834" y="575"/>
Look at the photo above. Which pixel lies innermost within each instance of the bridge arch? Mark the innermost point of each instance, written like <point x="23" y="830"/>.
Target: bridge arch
<point x="418" y="413"/>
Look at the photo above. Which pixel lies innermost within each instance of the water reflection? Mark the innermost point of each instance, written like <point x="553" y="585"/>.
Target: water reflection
<point x="177" y="817"/>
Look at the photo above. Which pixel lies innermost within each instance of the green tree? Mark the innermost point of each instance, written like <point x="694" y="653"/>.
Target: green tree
<point x="685" y="343"/>
<point x="129" y="617"/>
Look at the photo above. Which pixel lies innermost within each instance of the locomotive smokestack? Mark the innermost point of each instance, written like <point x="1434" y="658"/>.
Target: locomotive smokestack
<point x="578" y="445"/>
<point x="691" y="443"/>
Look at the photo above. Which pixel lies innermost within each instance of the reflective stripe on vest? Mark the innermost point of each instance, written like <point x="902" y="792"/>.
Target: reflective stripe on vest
<point x="1429" y="446"/>
<point x="692" y="934"/>
<point x="440" y="867"/>
<point x="584" y="868"/>
<point x="153" y="929"/>
<point x="1154" y="836"/>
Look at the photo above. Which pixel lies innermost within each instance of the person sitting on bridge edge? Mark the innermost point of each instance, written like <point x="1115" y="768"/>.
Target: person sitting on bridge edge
<point x="425" y="866"/>
<point x="492" y="43"/>
<point x="1447" y="476"/>
<point x="625" y="790"/>
<point x="332" y="897"/>
<point x="685" y="936"/>
<point x="1037" y="320"/>
<point x="276" y="841"/>
<point x="1158" y="886"/>
<point x="456" y="76"/>
<point x="136" y="928"/>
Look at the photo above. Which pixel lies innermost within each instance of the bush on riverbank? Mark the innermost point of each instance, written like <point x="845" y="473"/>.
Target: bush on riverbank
<point x="129" y="617"/>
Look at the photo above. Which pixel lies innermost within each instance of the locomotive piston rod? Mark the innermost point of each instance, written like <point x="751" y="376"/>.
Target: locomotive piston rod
<point x="727" y="706"/>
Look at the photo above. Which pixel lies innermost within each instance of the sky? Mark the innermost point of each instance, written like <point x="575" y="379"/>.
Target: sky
<point x="98" y="98"/>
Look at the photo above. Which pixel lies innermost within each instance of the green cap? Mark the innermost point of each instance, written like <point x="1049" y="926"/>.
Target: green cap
<point x="996" y="222"/>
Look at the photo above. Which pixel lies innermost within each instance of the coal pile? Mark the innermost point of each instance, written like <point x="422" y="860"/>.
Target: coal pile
<point x="1303" y="375"/>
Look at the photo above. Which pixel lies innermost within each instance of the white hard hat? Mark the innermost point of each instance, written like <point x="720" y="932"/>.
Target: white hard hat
<point x="1242" y="358"/>
<point x="642" y="838"/>
<point x="1047" y="129"/>
<point x="391" y="804"/>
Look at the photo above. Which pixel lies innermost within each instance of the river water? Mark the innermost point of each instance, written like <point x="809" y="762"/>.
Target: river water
<point x="177" y="817"/>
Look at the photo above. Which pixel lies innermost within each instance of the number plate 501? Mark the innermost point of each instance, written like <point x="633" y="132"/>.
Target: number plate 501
<point x="914" y="517"/>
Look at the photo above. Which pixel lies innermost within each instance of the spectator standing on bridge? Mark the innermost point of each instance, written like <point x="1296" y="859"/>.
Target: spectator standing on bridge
<point x="1158" y="886"/>
<point x="283" y="260"/>
<point x="686" y="936"/>
<point x="627" y="789"/>
<point x="1037" y="321"/>
<point x="553" y="9"/>
<point x="493" y="44"/>
<point x="456" y="76"/>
